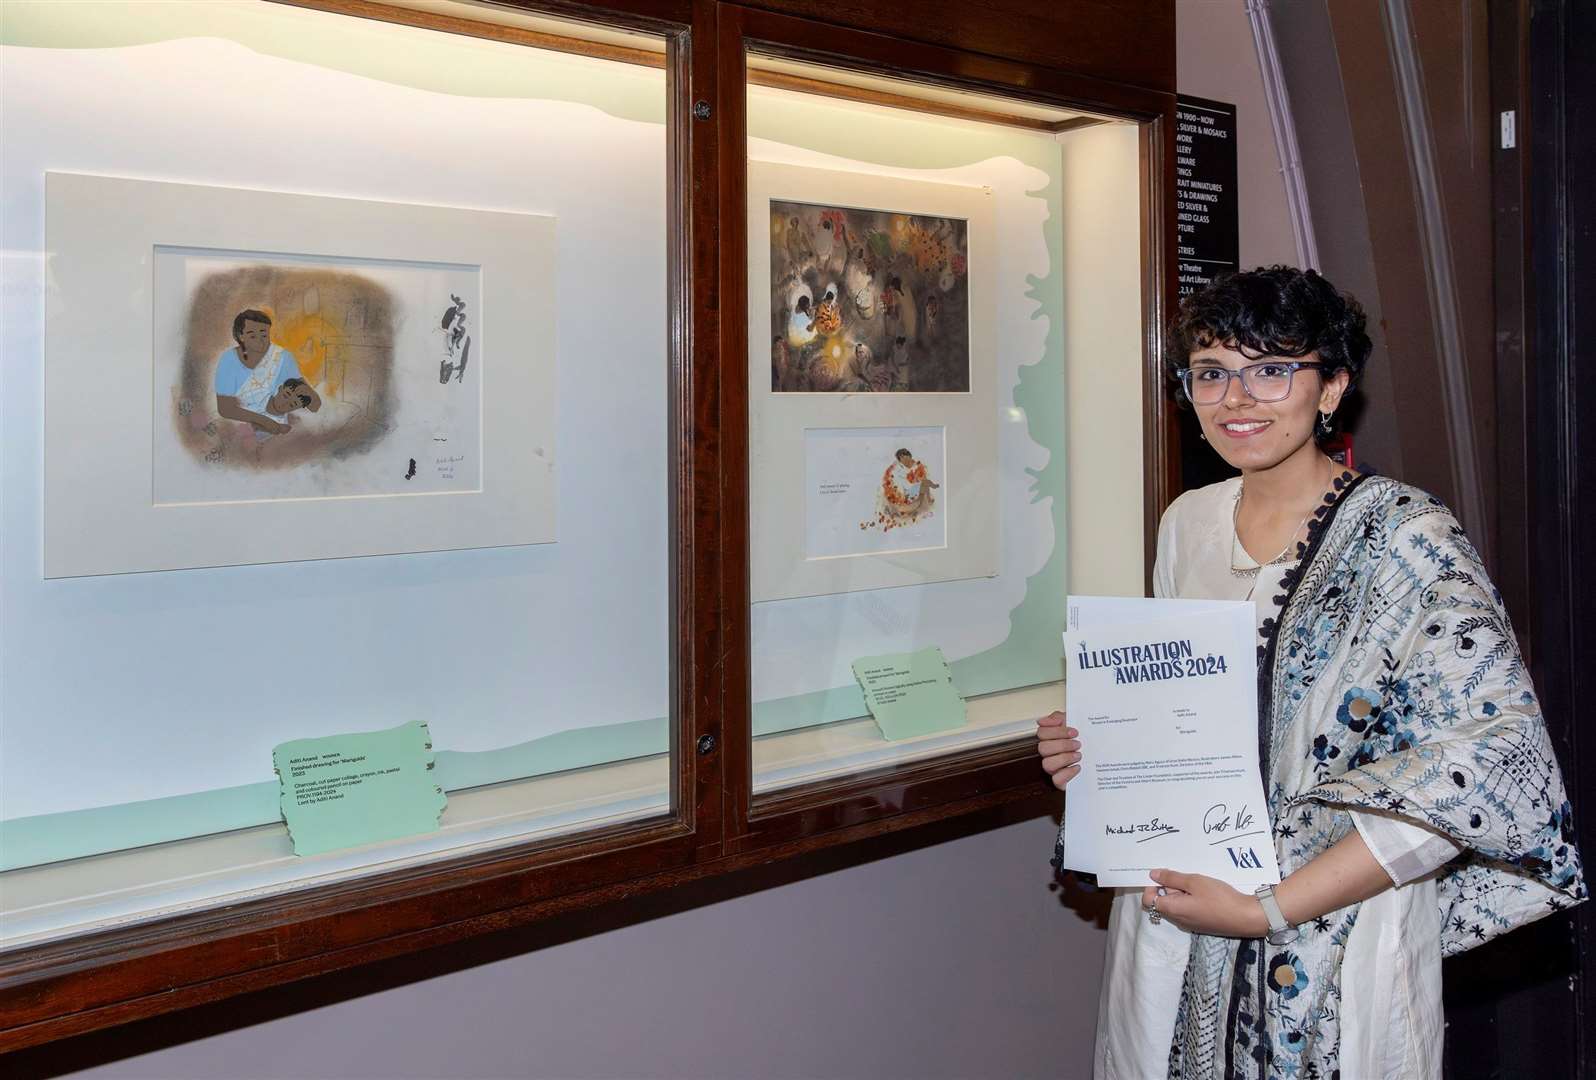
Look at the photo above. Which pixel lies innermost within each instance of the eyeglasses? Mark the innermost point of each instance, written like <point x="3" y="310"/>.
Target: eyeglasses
<point x="1268" y="381"/>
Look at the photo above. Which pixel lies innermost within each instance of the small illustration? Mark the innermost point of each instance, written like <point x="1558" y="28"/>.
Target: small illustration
<point x="410" y="474"/>
<point x="905" y="495"/>
<point x="871" y="491"/>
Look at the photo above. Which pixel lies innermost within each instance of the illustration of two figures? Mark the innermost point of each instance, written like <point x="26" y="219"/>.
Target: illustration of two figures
<point x="284" y="369"/>
<point x="905" y="496"/>
<point x="258" y="382"/>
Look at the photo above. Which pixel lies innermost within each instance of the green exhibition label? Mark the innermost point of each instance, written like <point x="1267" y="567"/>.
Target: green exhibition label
<point x="345" y="790"/>
<point x="910" y="694"/>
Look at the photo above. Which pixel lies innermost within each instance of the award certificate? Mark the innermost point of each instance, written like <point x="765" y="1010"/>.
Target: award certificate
<point x="1165" y="696"/>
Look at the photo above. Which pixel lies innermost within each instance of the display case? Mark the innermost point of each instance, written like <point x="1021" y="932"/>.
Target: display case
<point x="953" y="413"/>
<point x="918" y="279"/>
<point x="464" y="248"/>
<point x="595" y="339"/>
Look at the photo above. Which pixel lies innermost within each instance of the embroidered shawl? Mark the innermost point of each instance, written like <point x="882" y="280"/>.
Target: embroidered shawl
<point x="1390" y="681"/>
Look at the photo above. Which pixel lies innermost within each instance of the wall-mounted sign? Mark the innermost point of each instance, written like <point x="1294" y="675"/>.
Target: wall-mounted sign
<point x="1207" y="233"/>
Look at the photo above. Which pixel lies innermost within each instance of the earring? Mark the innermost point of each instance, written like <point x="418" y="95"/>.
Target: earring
<point x="1203" y="436"/>
<point x="1324" y="423"/>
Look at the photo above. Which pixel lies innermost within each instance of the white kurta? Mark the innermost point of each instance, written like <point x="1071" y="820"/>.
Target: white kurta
<point x="1391" y="1021"/>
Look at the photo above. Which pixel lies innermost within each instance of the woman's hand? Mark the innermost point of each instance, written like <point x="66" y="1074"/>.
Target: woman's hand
<point x="1205" y="905"/>
<point x="1059" y="747"/>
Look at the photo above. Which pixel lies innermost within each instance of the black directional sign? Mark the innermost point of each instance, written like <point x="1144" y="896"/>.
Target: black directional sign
<point x="1207" y="232"/>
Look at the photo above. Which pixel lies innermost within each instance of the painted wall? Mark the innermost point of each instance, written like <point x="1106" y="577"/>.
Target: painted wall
<point x="1398" y="150"/>
<point x="1215" y="59"/>
<point x="1336" y="204"/>
<point x="955" y="960"/>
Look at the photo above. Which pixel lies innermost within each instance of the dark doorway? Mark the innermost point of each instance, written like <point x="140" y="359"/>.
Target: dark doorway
<point x="1520" y="1006"/>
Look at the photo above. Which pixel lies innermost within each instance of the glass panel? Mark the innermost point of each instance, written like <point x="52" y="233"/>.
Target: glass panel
<point x="352" y="344"/>
<point x="945" y="368"/>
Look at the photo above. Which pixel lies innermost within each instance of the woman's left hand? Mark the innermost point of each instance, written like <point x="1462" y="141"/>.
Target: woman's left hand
<point x="1205" y="905"/>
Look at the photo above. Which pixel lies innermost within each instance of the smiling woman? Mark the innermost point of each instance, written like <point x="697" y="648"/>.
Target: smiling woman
<point x="1265" y="362"/>
<point x="1414" y="799"/>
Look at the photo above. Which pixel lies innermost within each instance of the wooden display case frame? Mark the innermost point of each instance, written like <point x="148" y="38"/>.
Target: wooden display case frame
<point x="105" y="978"/>
<point x="797" y="813"/>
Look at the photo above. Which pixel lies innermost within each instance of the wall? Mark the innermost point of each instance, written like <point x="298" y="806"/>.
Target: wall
<point x="1397" y="155"/>
<point x="953" y="960"/>
<point x="1336" y="205"/>
<point x="1218" y="60"/>
<point x="1215" y="58"/>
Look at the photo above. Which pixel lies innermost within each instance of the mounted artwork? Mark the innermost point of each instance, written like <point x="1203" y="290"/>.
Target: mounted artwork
<point x="873" y="384"/>
<point x="290" y="377"/>
<point x="868" y="301"/>
<point x="874" y="490"/>
<point x="308" y="378"/>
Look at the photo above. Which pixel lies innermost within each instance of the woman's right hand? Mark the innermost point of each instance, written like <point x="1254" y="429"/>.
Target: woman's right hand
<point x="1060" y="748"/>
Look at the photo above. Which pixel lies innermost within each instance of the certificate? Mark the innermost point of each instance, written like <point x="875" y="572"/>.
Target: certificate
<point x="1165" y="696"/>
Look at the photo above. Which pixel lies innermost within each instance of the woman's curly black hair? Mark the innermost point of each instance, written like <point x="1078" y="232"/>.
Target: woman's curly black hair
<point x="1271" y="311"/>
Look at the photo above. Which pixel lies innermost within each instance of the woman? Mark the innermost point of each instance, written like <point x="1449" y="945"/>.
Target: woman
<point x="1416" y="805"/>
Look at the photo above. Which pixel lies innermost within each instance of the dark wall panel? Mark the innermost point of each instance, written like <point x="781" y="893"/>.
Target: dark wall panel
<point x="1129" y="41"/>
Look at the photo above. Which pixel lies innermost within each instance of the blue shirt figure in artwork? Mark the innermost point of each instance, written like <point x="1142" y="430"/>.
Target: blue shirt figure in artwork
<point x="253" y="378"/>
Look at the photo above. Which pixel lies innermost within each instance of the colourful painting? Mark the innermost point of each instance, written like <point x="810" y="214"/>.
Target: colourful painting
<point x="300" y="377"/>
<point x="867" y="301"/>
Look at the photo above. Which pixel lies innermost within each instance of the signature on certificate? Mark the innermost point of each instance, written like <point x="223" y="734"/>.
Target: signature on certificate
<point x="1154" y="829"/>
<point x="1218" y="819"/>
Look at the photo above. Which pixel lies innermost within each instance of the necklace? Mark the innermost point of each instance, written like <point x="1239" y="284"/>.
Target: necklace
<point x="1235" y="541"/>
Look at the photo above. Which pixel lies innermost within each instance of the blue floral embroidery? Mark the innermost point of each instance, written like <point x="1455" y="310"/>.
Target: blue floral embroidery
<point x="1292" y="1041"/>
<point x="1286" y="976"/>
<point x="1358" y="706"/>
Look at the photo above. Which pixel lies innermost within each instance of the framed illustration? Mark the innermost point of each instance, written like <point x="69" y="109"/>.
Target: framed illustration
<point x="868" y="301"/>
<point x="293" y="377"/>
<point x="874" y="490"/>
<point x="281" y="377"/>
<point x="872" y="336"/>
